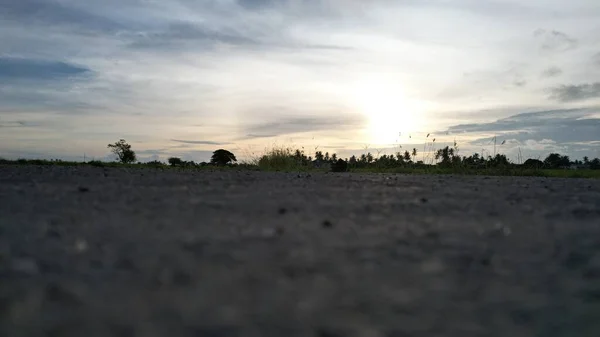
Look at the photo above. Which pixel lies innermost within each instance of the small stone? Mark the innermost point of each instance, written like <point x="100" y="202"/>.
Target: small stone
<point x="53" y="233"/>
<point x="124" y="264"/>
<point x="57" y="293"/>
<point x="81" y="245"/>
<point x="424" y="200"/>
<point x="327" y="224"/>
<point x="24" y="265"/>
<point x="432" y="266"/>
<point x="282" y="210"/>
<point x="83" y="189"/>
<point x="268" y="232"/>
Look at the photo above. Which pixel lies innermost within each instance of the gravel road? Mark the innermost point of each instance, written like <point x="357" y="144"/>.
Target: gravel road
<point x="116" y="252"/>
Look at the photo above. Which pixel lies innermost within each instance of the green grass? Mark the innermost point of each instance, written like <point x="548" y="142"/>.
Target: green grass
<point x="512" y="171"/>
<point x="279" y="159"/>
<point x="282" y="159"/>
<point x="97" y="163"/>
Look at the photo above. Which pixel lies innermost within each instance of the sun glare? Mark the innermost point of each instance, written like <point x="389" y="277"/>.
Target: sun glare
<point x="389" y="112"/>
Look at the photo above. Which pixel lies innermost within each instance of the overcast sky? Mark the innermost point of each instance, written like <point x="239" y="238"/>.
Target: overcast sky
<point x="185" y="77"/>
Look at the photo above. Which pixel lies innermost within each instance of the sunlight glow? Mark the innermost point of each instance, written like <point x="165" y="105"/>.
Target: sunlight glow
<point x="390" y="113"/>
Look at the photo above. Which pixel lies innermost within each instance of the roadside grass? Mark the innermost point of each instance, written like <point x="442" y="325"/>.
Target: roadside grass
<point x="282" y="159"/>
<point x="512" y="171"/>
<point x="97" y="163"/>
<point x="278" y="159"/>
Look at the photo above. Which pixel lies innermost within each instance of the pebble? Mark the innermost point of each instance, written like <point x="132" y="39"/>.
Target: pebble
<point x="27" y="266"/>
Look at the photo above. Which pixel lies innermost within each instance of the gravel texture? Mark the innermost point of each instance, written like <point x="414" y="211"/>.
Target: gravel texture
<point x="116" y="252"/>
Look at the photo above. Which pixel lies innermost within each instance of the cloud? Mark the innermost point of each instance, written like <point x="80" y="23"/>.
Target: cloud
<point x="28" y="69"/>
<point x="554" y="40"/>
<point x="572" y="132"/>
<point x="55" y="13"/>
<point x="571" y="93"/>
<point x="291" y="125"/>
<point x="12" y="124"/>
<point x="251" y="135"/>
<point x="563" y="126"/>
<point x="596" y="59"/>
<point x="519" y="82"/>
<point x="181" y="33"/>
<point x="552" y="72"/>
<point x="198" y="142"/>
<point x="258" y="4"/>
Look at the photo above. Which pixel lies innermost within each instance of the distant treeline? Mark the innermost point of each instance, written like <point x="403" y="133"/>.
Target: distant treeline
<point x="290" y="159"/>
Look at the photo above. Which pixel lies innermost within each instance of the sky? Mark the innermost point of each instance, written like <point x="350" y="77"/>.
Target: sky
<point x="186" y="77"/>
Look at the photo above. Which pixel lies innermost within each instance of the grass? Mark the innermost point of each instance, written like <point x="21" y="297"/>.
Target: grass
<point x="97" y="163"/>
<point x="283" y="159"/>
<point x="513" y="171"/>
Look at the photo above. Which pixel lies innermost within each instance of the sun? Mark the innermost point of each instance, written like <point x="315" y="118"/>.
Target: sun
<point x="388" y="111"/>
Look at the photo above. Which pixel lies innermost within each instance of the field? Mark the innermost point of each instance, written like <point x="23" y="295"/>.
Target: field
<point x="122" y="251"/>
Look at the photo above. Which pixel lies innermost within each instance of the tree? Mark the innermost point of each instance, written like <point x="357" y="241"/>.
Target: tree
<point x="555" y="160"/>
<point x="586" y="160"/>
<point x="407" y="156"/>
<point x="174" y="161"/>
<point x="533" y="163"/>
<point x="444" y="155"/>
<point x="339" y="166"/>
<point x="222" y="157"/>
<point x="123" y="151"/>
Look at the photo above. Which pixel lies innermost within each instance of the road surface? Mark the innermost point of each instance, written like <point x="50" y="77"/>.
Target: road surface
<point x="117" y="252"/>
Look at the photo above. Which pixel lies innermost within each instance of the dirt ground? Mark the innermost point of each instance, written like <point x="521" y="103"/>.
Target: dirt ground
<point x="116" y="252"/>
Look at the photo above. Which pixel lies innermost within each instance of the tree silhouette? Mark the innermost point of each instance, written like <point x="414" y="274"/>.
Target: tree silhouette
<point x="339" y="166"/>
<point x="407" y="156"/>
<point x="123" y="151"/>
<point x="555" y="160"/>
<point x="222" y="157"/>
<point x="174" y="161"/>
<point x="533" y="163"/>
<point x="445" y="155"/>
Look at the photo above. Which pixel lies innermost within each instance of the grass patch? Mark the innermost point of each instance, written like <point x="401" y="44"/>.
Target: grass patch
<point x="509" y="171"/>
<point x="280" y="159"/>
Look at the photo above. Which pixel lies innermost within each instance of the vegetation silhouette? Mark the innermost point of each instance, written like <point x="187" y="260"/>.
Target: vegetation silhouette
<point x="445" y="160"/>
<point x="123" y="151"/>
<point x="222" y="157"/>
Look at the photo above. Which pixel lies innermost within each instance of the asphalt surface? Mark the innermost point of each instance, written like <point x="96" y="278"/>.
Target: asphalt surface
<point x="115" y="252"/>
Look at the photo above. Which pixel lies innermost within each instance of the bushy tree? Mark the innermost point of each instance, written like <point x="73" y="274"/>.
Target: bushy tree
<point x="174" y="161"/>
<point x="123" y="151"/>
<point x="222" y="157"/>
<point x="555" y="160"/>
<point x="339" y="166"/>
